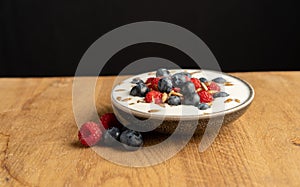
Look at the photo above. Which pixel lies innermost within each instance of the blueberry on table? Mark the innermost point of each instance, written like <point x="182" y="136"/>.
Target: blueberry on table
<point x="162" y="72"/>
<point x="111" y="136"/>
<point x="139" y="90"/>
<point x="179" y="79"/>
<point x="192" y="99"/>
<point x="220" y="80"/>
<point x="220" y="94"/>
<point x="165" y="85"/>
<point x="131" y="140"/>
<point x="202" y="79"/>
<point x="174" y="100"/>
<point x="188" y="88"/>
<point x="203" y="106"/>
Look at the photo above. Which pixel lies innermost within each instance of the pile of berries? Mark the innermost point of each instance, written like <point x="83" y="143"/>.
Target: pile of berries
<point x="109" y="133"/>
<point x="177" y="89"/>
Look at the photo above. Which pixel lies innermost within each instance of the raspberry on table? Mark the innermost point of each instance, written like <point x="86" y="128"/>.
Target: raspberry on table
<point x="205" y="97"/>
<point x="109" y="120"/>
<point x="154" y="96"/>
<point x="89" y="134"/>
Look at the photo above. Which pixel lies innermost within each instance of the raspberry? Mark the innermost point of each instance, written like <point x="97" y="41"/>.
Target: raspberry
<point x="205" y="97"/>
<point x="89" y="134"/>
<point x="196" y="83"/>
<point x="176" y="89"/>
<point x="213" y="86"/>
<point x="187" y="78"/>
<point x="109" y="120"/>
<point x="152" y="83"/>
<point x="153" y="96"/>
<point x="149" y="80"/>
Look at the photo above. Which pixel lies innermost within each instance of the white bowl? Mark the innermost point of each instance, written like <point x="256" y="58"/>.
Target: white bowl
<point x="129" y="109"/>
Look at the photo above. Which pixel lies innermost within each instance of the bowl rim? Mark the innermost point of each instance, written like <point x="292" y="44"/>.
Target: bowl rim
<point x="239" y="107"/>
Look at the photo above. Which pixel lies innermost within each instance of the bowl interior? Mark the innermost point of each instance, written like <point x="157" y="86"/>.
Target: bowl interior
<point x="240" y="96"/>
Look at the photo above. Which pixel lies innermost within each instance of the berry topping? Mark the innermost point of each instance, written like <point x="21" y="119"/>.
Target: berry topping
<point x="139" y="90"/>
<point x="202" y="79"/>
<point x="188" y="75"/>
<point x="203" y="106"/>
<point x="196" y="83"/>
<point x="153" y="96"/>
<point x="205" y="97"/>
<point x="131" y="140"/>
<point x="192" y="99"/>
<point x="111" y="136"/>
<point x="165" y="85"/>
<point x="174" y="100"/>
<point x="179" y="79"/>
<point x="109" y="120"/>
<point x="213" y="86"/>
<point x="176" y="89"/>
<point x="136" y="81"/>
<point x="220" y="94"/>
<point x="152" y="83"/>
<point x="188" y="88"/>
<point x="220" y="80"/>
<point x="89" y="134"/>
<point x="162" y="72"/>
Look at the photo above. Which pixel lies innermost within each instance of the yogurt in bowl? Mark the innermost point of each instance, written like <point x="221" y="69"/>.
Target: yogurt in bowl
<point x="164" y="117"/>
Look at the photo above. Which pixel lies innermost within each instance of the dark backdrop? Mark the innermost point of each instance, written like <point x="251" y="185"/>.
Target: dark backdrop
<point x="48" y="37"/>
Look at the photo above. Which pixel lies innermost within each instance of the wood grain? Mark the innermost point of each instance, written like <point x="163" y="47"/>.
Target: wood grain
<point x="39" y="147"/>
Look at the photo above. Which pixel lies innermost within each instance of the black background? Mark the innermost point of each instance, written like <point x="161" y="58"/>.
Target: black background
<point x="49" y="37"/>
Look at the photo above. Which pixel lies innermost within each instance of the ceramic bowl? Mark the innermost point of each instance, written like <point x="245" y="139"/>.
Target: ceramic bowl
<point x="165" y="118"/>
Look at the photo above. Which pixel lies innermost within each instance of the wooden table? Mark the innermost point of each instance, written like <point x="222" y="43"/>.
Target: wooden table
<point x="39" y="146"/>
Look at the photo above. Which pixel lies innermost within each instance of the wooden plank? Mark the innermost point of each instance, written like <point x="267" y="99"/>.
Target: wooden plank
<point x="39" y="146"/>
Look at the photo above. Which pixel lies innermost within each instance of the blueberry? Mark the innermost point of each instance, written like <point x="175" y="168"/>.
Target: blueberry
<point x="192" y="99"/>
<point x="139" y="90"/>
<point x="220" y="94"/>
<point x="178" y="79"/>
<point x="131" y="140"/>
<point x="123" y="128"/>
<point x="202" y="79"/>
<point x="186" y="74"/>
<point x="203" y="106"/>
<point x="111" y="135"/>
<point x="137" y="81"/>
<point x="162" y="72"/>
<point x="187" y="88"/>
<point x="165" y="85"/>
<point x="220" y="80"/>
<point x="174" y="100"/>
<point x="135" y="91"/>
